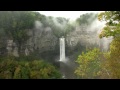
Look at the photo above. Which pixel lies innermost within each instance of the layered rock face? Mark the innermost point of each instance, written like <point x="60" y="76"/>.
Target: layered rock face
<point x="43" y="40"/>
<point x="87" y="38"/>
<point x="84" y="37"/>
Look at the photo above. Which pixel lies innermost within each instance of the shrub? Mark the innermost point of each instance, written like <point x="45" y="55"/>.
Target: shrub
<point x="21" y="69"/>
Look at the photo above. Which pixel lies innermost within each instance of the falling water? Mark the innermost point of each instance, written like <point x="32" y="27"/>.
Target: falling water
<point x="62" y="49"/>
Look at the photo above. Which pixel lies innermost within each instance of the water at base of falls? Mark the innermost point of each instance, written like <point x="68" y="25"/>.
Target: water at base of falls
<point x="66" y="65"/>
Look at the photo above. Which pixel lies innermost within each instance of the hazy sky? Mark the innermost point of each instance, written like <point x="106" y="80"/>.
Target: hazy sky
<point x="67" y="14"/>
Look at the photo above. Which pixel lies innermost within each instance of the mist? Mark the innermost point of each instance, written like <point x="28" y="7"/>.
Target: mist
<point x="38" y="24"/>
<point x="94" y="29"/>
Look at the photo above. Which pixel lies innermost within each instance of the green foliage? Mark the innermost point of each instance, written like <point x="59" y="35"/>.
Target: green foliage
<point x="60" y="26"/>
<point x="36" y="69"/>
<point x="62" y="20"/>
<point x="16" y="25"/>
<point x="112" y="27"/>
<point x="89" y="64"/>
<point x="86" y="18"/>
<point x="68" y="29"/>
<point x="113" y="59"/>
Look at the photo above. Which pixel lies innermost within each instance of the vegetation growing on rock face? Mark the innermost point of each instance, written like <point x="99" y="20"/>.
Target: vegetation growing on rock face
<point x="87" y="19"/>
<point x="15" y="25"/>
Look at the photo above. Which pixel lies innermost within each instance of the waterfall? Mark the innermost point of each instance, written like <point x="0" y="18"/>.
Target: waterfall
<point x="62" y="49"/>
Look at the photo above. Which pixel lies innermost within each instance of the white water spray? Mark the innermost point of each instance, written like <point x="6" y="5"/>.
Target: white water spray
<point x="62" y="49"/>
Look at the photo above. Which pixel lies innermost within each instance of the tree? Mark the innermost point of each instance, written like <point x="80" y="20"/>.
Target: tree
<point x="16" y="25"/>
<point x="2" y="41"/>
<point x="86" y="18"/>
<point x="35" y="69"/>
<point x="68" y="28"/>
<point x="112" y="19"/>
<point x="112" y="28"/>
<point x="89" y="64"/>
<point x="112" y="63"/>
<point x="60" y="26"/>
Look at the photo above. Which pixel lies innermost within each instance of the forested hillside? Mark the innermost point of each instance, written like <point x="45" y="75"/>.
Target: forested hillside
<point x="30" y="45"/>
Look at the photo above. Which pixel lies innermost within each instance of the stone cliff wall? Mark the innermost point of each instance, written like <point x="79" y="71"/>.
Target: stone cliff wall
<point x="44" y="40"/>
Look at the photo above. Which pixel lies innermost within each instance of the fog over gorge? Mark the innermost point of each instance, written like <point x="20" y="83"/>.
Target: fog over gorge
<point x="58" y="44"/>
